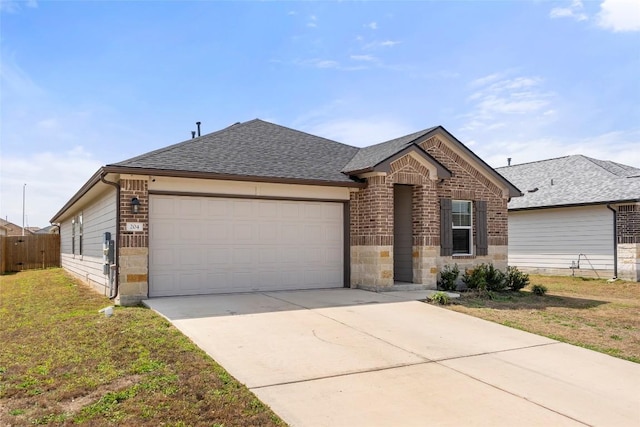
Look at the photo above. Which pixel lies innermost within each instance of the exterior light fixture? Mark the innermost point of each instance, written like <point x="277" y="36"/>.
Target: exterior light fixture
<point x="135" y="205"/>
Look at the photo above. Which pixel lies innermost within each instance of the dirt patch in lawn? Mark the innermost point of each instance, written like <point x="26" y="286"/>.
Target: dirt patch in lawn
<point x="63" y="363"/>
<point x="595" y="314"/>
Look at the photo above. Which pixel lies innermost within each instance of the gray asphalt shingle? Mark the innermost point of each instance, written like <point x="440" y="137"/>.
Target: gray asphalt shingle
<point x="254" y="148"/>
<point x="370" y="156"/>
<point x="572" y="180"/>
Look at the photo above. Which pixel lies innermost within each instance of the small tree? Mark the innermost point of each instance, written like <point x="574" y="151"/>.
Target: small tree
<point x="516" y="279"/>
<point x="484" y="277"/>
<point x="449" y="277"/>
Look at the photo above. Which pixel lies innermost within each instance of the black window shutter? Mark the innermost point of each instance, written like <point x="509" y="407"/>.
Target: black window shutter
<point x="482" y="244"/>
<point x="446" y="231"/>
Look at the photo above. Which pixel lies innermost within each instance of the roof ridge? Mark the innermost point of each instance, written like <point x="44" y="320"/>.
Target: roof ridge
<point x="172" y="146"/>
<point x="539" y="161"/>
<point x="302" y="132"/>
<point x="626" y="168"/>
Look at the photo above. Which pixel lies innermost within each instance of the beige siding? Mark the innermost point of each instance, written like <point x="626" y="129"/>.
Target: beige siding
<point x="98" y="217"/>
<point x="259" y="189"/>
<point x="553" y="238"/>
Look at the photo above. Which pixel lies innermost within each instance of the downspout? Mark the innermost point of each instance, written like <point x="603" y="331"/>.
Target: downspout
<point x="615" y="241"/>
<point x="117" y="237"/>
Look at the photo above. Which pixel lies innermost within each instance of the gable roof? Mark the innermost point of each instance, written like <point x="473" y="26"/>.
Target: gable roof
<point x="572" y="180"/>
<point x="369" y="157"/>
<point x="255" y="148"/>
<point x="13" y="229"/>
<point x="261" y="151"/>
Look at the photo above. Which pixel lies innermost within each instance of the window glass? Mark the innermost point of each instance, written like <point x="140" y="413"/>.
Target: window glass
<point x="461" y="216"/>
<point x="461" y="212"/>
<point x="81" y="230"/>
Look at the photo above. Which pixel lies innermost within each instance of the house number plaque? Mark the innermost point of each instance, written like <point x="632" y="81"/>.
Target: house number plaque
<point x="134" y="226"/>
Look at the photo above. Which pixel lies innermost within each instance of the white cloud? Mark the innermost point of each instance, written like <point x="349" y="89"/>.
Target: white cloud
<point x="497" y="98"/>
<point x="14" y="6"/>
<point x="575" y="10"/>
<point x="312" y="23"/>
<point x="372" y="25"/>
<point x="619" y="15"/>
<point x="359" y="132"/>
<point x="380" y="44"/>
<point x="366" y="58"/>
<point x="523" y="150"/>
<point x="51" y="178"/>
<point x="330" y="64"/>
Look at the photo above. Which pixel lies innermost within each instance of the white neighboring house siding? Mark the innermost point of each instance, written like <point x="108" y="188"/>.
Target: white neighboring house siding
<point x="98" y="218"/>
<point x="548" y="240"/>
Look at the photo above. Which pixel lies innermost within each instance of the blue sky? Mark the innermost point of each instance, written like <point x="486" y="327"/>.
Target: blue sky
<point x="84" y="84"/>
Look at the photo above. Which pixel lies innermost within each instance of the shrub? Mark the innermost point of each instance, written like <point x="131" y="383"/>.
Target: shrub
<point x="448" y="277"/>
<point x="539" y="290"/>
<point x="516" y="279"/>
<point x="440" y="298"/>
<point x="485" y="277"/>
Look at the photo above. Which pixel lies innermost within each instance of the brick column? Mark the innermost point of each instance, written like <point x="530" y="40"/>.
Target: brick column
<point x="133" y="245"/>
<point x="628" y="232"/>
<point x="372" y="235"/>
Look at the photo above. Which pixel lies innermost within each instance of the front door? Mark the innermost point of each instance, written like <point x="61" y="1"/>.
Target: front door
<point x="402" y="234"/>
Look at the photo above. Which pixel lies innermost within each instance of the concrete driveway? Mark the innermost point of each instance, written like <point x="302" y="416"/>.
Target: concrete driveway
<point x="344" y="357"/>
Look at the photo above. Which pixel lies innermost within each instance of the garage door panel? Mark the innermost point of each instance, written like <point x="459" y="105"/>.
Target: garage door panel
<point x="206" y="245"/>
<point x="162" y="231"/>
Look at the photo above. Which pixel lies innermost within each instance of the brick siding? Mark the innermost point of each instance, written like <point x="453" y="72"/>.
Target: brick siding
<point x="628" y="224"/>
<point x="130" y="188"/>
<point x="371" y="219"/>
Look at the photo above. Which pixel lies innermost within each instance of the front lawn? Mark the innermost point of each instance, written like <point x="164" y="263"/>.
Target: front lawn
<point x="595" y="314"/>
<point x="63" y="363"/>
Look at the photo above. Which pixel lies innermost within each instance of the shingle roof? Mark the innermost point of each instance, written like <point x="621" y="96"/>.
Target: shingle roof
<point x="370" y="156"/>
<point x="572" y="180"/>
<point x="255" y="148"/>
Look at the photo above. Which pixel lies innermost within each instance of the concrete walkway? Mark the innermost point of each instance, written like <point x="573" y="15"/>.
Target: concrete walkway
<point x="344" y="357"/>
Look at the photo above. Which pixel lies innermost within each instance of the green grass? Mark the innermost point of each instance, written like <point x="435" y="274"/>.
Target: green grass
<point x="63" y="363"/>
<point x="590" y="313"/>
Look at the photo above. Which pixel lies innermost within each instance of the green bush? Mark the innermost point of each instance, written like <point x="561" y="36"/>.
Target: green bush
<point x="448" y="277"/>
<point x="440" y="298"/>
<point x="539" y="290"/>
<point x="516" y="279"/>
<point x="485" y="277"/>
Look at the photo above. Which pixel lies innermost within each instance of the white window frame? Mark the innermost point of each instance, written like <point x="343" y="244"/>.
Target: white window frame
<point x="73" y="236"/>
<point x="462" y="227"/>
<point x="80" y="234"/>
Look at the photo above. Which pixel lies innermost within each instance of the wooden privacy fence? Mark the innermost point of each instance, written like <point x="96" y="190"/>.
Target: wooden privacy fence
<point x="19" y="253"/>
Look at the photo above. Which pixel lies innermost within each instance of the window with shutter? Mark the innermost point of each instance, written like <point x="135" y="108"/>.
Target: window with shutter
<point x="482" y="240"/>
<point x="446" y="235"/>
<point x="462" y="223"/>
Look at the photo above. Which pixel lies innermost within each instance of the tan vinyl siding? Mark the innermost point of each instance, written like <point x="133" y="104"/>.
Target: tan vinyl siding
<point x="553" y="238"/>
<point x="98" y="217"/>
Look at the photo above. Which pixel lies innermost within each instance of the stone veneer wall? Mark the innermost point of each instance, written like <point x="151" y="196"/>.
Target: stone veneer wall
<point x="371" y="224"/>
<point x="628" y="232"/>
<point x="133" y="248"/>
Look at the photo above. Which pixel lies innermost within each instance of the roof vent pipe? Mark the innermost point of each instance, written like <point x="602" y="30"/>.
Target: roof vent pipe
<point x="508" y="161"/>
<point x="193" y="134"/>
<point x="198" y="124"/>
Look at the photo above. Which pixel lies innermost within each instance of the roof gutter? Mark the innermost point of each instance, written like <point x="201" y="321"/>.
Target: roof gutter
<point x="83" y="190"/>
<point x="574" y="205"/>
<point x="615" y="240"/>
<point x="117" y="236"/>
<point x="228" y="177"/>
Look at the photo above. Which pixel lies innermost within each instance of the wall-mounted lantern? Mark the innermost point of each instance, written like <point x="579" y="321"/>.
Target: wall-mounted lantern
<point x="135" y="205"/>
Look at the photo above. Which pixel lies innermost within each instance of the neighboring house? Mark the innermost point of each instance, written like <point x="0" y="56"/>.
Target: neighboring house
<point x="258" y="207"/>
<point x="51" y="229"/>
<point x="3" y="230"/>
<point x="578" y="216"/>
<point x="13" y="229"/>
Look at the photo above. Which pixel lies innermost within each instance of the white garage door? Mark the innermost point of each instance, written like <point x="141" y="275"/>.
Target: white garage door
<point x="201" y="245"/>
